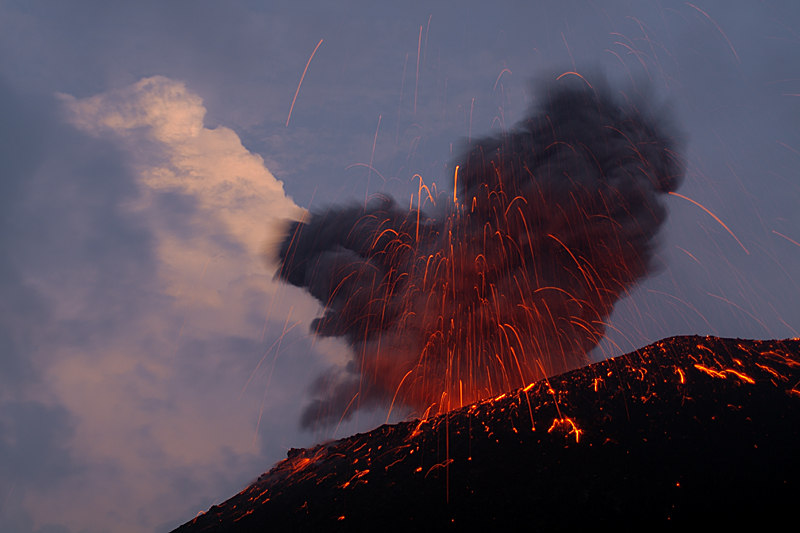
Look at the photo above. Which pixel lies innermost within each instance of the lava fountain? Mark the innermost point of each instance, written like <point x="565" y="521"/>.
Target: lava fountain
<point x="506" y="280"/>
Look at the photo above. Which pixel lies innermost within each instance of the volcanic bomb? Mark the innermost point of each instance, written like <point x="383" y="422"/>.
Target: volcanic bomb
<point x="689" y="430"/>
<point x="479" y="307"/>
<point x="508" y="279"/>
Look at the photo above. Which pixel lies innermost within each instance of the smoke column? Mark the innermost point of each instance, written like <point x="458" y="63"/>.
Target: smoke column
<point x="512" y="277"/>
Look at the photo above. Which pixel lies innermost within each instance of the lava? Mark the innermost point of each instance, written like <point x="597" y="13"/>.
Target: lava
<point x="689" y="430"/>
<point x="508" y="279"/>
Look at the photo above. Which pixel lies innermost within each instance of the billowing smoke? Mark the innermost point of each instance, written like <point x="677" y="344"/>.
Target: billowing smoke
<point x="513" y="275"/>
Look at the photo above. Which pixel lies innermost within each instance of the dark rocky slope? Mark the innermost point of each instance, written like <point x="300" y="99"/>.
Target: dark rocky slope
<point x="695" y="430"/>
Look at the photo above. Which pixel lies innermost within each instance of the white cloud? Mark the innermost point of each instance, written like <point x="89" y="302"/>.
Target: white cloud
<point x="162" y="417"/>
<point x="229" y="182"/>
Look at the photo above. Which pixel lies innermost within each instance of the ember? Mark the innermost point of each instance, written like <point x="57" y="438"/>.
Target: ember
<point x="694" y="430"/>
<point x="511" y="277"/>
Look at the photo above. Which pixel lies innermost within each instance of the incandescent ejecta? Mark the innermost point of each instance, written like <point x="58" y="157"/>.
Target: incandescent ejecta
<point x="508" y="279"/>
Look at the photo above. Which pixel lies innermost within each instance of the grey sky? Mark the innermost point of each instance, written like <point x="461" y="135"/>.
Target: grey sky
<point x="134" y="308"/>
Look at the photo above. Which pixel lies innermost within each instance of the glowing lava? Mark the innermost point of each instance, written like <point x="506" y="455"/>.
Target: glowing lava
<point x="507" y="280"/>
<point x="686" y="430"/>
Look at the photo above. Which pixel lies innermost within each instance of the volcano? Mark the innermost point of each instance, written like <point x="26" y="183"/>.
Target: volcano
<point x="510" y="278"/>
<point x="698" y="430"/>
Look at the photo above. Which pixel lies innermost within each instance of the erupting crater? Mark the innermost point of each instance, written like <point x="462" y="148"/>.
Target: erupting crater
<point x="506" y="280"/>
<point x="471" y="309"/>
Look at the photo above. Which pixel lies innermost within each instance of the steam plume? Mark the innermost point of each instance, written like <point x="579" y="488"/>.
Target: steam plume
<point x="512" y="277"/>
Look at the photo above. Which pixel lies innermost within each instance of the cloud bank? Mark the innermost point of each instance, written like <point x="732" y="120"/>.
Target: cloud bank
<point x="150" y="367"/>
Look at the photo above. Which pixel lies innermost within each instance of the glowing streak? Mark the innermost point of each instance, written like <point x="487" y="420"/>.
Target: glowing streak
<point x="498" y="77"/>
<point x="395" y="394"/>
<point x="720" y="29"/>
<point x="416" y="85"/>
<point x="785" y="237"/>
<point x="186" y="316"/>
<point x="439" y="465"/>
<point x="521" y="346"/>
<point x="576" y="74"/>
<point x="419" y="200"/>
<point x="550" y="390"/>
<point x="455" y="185"/>
<point x="558" y="423"/>
<point x="7" y="497"/>
<point x="789" y="147"/>
<point x="683" y="302"/>
<point x="471" y="109"/>
<point x="623" y="64"/>
<point x="716" y="374"/>
<point x="571" y="255"/>
<point x="714" y="216"/>
<point x="384" y="232"/>
<point x="530" y="407"/>
<point x="511" y="204"/>
<point x="690" y="255"/>
<point x="568" y="51"/>
<point x="371" y="158"/>
<point x="344" y="413"/>
<point x="278" y="340"/>
<point x="710" y="371"/>
<point x="770" y="370"/>
<point x="763" y="325"/>
<point x="425" y="50"/>
<point x="740" y="375"/>
<point x="277" y="352"/>
<point x="580" y="324"/>
<point x="400" y="105"/>
<point x="637" y="54"/>
<point x="642" y="26"/>
<point x="301" y="82"/>
<point x="371" y="168"/>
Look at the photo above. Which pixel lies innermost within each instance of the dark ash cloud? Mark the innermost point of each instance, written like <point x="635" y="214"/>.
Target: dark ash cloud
<point x="508" y="280"/>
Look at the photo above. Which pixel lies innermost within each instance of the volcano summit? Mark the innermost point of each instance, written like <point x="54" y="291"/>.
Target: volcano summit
<point x="508" y="279"/>
<point x="689" y="430"/>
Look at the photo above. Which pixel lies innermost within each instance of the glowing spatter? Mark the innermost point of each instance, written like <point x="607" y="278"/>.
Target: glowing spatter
<point x="657" y="430"/>
<point x="512" y="278"/>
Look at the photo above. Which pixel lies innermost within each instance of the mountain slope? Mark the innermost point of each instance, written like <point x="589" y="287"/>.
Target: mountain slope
<point x="686" y="429"/>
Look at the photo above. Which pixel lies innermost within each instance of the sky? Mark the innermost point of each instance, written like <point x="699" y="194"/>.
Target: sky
<point x="150" y="364"/>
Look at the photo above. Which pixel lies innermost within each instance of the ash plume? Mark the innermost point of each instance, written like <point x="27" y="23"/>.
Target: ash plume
<point x="513" y="275"/>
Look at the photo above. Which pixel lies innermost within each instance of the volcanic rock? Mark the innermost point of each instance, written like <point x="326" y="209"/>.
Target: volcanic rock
<point x="697" y="430"/>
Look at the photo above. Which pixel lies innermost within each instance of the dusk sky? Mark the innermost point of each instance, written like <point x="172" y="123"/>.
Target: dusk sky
<point x="150" y="364"/>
